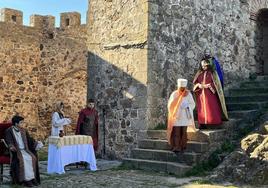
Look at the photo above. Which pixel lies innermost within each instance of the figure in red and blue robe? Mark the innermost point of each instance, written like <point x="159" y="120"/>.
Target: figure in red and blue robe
<point x="209" y="96"/>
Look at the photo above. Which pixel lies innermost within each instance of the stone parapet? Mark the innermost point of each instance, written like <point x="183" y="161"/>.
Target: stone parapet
<point x="11" y="16"/>
<point x="70" y="19"/>
<point x="42" y="22"/>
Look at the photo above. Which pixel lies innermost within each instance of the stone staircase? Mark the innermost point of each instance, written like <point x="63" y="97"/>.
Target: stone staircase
<point x="244" y="105"/>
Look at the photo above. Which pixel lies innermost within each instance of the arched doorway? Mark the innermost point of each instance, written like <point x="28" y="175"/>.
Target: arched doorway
<point x="262" y="36"/>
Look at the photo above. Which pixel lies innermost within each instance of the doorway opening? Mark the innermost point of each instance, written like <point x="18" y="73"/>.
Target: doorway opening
<point x="262" y="41"/>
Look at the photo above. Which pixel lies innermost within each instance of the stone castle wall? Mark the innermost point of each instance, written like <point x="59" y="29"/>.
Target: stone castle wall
<point x="181" y="30"/>
<point x="128" y="57"/>
<point x="19" y="85"/>
<point x="117" y="71"/>
<point x="40" y="65"/>
<point x="63" y="74"/>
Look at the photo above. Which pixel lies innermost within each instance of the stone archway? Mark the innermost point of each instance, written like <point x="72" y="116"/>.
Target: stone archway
<point x="259" y="13"/>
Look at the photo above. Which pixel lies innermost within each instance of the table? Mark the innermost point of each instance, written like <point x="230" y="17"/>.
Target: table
<point x="69" y="149"/>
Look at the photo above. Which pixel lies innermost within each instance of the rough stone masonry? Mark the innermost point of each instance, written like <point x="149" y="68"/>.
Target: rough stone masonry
<point x="138" y="49"/>
<point x="39" y="65"/>
<point x="127" y="57"/>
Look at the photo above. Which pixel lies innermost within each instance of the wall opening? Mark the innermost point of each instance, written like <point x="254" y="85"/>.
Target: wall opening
<point x="67" y="22"/>
<point x="262" y="41"/>
<point x="14" y="18"/>
<point x="50" y="35"/>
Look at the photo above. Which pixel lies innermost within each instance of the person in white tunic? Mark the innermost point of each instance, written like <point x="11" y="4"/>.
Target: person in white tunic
<point x="24" y="160"/>
<point x="180" y="116"/>
<point x="58" y="120"/>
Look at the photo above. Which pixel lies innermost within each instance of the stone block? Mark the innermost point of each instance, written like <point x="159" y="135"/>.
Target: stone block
<point x="42" y="22"/>
<point x="154" y="144"/>
<point x="152" y="165"/>
<point x="126" y="103"/>
<point x="245" y="114"/>
<point x="242" y="99"/>
<point x="177" y="169"/>
<point x="244" y="106"/>
<point x="157" y="134"/>
<point x="11" y="16"/>
<point x="168" y="156"/>
<point x="248" y="91"/>
<point x="70" y="19"/>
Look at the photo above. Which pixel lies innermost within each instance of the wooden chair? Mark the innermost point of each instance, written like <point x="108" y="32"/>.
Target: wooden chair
<point x="4" y="151"/>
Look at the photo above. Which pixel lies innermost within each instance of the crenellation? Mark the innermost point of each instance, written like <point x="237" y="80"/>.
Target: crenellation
<point x="67" y="19"/>
<point x="40" y="21"/>
<point x="70" y="19"/>
<point x="11" y="16"/>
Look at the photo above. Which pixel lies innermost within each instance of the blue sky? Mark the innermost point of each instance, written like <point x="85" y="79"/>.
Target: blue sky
<point x="46" y="7"/>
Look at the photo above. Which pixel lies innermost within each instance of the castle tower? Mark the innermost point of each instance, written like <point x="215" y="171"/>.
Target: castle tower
<point x="70" y="19"/>
<point x="11" y="16"/>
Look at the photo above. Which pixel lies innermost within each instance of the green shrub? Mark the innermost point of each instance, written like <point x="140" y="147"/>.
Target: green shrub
<point x="213" y="161"/>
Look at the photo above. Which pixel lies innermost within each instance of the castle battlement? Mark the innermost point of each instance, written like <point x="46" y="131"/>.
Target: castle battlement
<point x="40" y="21"/>
<point x="70" y="19"/>
<point x="67" y="19"/>
<point x="11" y="16"/>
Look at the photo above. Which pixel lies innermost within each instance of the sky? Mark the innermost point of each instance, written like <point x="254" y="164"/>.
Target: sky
<point x="47" y="7"/>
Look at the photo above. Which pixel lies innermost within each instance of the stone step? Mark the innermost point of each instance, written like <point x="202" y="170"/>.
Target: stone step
<point x="262" y="78"/>
<point x="199" y="136"/>
<point x="198" y="147"/>
<point x="256" y="98"/>
<point x="164" y="155"/>
<point x="157" y="134"/>
<point x="231" y="123"/>
<point x="246" y="106"/>
<point x="248" y="91"/>
<point x="254" y="84"/>
<point x="158" y="166"/>
<point x="243" y="114"/>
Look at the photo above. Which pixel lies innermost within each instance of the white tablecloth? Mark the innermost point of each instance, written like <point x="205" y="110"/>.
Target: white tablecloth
<point x="59" y="157"/>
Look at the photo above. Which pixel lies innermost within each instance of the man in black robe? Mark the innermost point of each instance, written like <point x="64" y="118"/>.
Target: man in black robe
<point x="24" y="160"/>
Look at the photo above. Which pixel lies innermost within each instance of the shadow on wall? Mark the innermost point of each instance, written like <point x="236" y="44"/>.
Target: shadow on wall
<point x="262" y="41"/>
<point x="121" y="101"/>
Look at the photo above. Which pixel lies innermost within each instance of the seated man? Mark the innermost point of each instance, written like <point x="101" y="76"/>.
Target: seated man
<point x="24" y="162"/>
